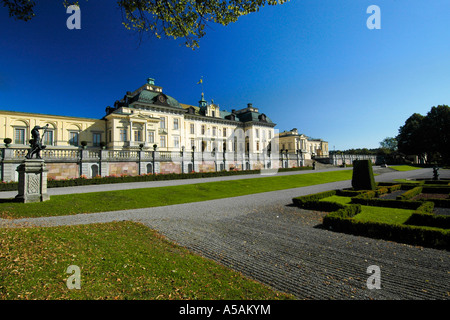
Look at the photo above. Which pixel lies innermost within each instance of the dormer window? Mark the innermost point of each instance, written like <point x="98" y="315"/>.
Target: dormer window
<point x="262" y="118"/>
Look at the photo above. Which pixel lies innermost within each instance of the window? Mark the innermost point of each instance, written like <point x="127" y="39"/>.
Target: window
<point x="257" y="146"/>
<point x="176" y="142"/>
<point x="224" y="132"/>
<point x="162" y="140"/>
<point x="96" y="138"/>
<point x="47" y="139"/>
<point x="192" y="128"/>
<point x="270" y="134"/>
<point x="203" y="129"/>
<point x="151" y="137"/>
<point x="214" y="131"/>
<point x="19" y="135"/>
<point x="257" y="133"/>
<point x="162" y="123"/>
<point x="123" y="134"/>
<point x="175" y="124"/>
<point x="73" y="138"/>
<point x="213" y="114"/>
<point x="192" y="143"/>
<point x="137" y="135"/>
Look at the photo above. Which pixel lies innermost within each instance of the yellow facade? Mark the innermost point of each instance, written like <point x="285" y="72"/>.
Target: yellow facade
<point x="145" y="118"/>
<point x="294" y="142"/>
<point x="66" y="132"/>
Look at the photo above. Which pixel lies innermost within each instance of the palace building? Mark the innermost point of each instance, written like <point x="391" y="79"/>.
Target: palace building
<point x="294" y="142"/>
<point x="149" y="131"/>
<point x="148" y="116"/>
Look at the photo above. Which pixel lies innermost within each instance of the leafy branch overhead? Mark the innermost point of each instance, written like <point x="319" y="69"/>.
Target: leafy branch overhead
<point x="176" y="19"/>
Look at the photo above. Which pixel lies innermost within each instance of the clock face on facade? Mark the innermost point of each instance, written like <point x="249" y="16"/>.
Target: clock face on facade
<point x="161" y="99"/>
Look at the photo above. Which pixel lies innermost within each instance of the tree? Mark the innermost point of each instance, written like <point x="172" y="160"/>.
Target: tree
<point x="177" y="19"/>
<point x="410" y="137"/>
<point x="427" y="136"/>
<point x="389" y="145"/>
<point x="436" y="130"/>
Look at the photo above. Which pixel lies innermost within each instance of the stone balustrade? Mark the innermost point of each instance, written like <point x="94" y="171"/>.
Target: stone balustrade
<point x="71" y="163"/>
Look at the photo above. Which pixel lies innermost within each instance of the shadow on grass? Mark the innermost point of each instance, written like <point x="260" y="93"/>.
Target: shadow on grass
<point x="10" y="200"/>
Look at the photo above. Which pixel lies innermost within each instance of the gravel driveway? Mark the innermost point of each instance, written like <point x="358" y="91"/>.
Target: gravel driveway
<point x="266" y="238"/>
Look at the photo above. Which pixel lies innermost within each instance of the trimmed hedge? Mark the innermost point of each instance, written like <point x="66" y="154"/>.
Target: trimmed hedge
<point x="422" y="228"/>
<point x="441" y="203"/>
<point x="436" y="189"/>
<point x="362" y="178"/>
<point x="410" y="193"/>
<point x="414" y="235"/>
<point x="331" y="219"/>
<point x="429" y="220"/>
<point x="399" y="204"/>
<point x="444" y="182"/>
<point x="349" y="193"/>
<point x="311" y="202"/>
<point x="394" y="187"/>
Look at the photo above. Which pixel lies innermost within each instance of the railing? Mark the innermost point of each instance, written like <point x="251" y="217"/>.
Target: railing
<point x="122" y="155"/>
<point x="49" y="154"/>
<point x="20" y="153"/>
<point x="135" y="155"/>
<point x="55" y="154"/>
<point x="165" y="155"/>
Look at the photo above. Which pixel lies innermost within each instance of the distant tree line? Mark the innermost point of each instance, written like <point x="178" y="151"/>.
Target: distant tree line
<point x="427" y="137"/>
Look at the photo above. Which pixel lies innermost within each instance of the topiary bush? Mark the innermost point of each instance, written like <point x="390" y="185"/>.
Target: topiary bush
<point x="362" y="178"/>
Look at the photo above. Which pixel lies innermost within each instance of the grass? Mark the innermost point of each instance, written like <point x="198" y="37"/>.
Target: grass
<point x="375" y="214"/>
<point x="337" y="199"/>
<point x="119" y="260"/>
<point x="163" y="196"/>
<point x="404" y="168"/>
<point x="408" y="181"/>
<point x="383" y="215"/>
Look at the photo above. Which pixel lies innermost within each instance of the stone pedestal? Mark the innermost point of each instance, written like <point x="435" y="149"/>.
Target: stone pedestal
<point x="32" y="181"/>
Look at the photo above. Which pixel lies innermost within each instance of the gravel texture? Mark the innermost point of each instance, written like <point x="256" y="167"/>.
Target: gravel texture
<point x="266" y="238"/>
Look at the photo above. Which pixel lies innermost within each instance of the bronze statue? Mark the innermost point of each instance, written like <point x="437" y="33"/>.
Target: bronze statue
<point x="36" y="142"/>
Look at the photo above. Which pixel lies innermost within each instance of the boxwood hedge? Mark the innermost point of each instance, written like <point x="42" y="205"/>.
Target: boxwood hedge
<point x="422" y="228"/>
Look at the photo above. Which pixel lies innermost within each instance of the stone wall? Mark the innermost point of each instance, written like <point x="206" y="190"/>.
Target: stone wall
<point x="126" y="168"/>
<point x="60" y="171"/>
<point x="63" y="163"/>
<point x="169" y="167"/>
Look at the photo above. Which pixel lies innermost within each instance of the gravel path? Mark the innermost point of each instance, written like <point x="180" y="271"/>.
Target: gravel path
<point x="266" y="238"/>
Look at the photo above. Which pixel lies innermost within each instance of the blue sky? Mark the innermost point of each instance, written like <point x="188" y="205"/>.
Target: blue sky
<point x="307" y="64"/>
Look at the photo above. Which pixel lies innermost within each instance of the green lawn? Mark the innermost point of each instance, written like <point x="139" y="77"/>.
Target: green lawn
<point x="404" y="168"/>
<point x="338" y="199"/>
<point x="408" y="181"/>
<point x="120" y="260"/>
<point x="375" y="214"/>
<point x="383" y="215"/>
<point x="152" y="197"/>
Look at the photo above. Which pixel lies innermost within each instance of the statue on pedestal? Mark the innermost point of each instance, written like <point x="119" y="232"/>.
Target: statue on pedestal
<point x="32" y="172"/>
<point x="36" y="142"/>
<point x="435" y="172"/>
